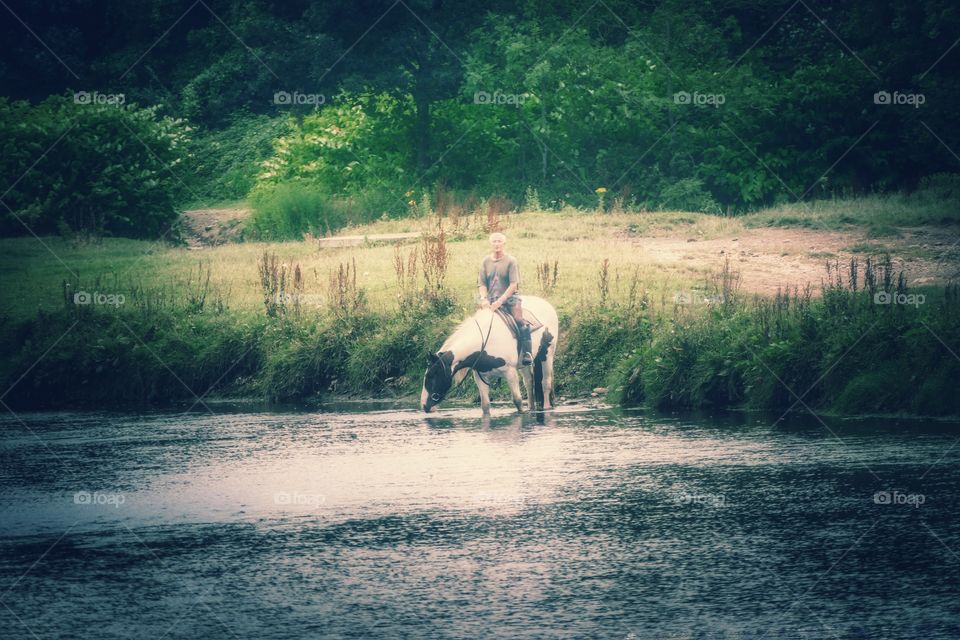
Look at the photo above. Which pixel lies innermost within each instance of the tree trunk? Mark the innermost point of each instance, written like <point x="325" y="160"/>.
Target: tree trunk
<point x="422" y="129"/>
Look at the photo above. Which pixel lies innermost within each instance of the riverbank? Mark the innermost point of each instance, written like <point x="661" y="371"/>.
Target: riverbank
<point x="123" y="322"/>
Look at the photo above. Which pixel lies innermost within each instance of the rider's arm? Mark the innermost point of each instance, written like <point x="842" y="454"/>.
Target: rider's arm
<point x="506" y="294"/>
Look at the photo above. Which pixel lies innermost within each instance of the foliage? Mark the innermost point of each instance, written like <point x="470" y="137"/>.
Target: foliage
<point x="842" y="352"/>
<point x="224" y="163"/>
<point x="86" y="167"/>
<point x="289" y="210"/>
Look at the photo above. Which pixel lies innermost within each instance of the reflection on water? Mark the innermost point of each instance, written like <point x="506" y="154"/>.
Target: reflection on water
<point x="577" y="523"/>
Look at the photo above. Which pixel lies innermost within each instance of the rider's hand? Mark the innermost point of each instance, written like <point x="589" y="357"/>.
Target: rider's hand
<point x="494" y="306"/>
<point x="484" y="304"/>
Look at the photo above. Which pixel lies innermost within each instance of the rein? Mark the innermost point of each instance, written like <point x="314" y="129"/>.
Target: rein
<point x="483" y="346"/>
<point x="463" y="365"/>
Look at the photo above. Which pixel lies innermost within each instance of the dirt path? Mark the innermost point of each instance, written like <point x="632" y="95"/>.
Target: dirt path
<point x="768" y="258"/>
<point x="210" y="227"/>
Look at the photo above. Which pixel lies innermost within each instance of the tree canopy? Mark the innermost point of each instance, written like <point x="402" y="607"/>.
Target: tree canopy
<point x="718" y="105"/>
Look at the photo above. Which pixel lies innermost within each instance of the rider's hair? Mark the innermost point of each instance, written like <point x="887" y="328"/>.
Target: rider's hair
<point x="497" y="236"/>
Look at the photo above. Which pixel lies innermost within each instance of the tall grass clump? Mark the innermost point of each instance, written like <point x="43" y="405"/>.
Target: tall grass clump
<point x="598" y="335"/>
<point x="289" y="210"/>
<point x="867" y="344"/>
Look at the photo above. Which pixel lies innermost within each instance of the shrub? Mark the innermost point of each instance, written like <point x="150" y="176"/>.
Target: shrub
<point x="224" y="163"/>
<point x="289" y="210"/>
<point x="92" y="168"/>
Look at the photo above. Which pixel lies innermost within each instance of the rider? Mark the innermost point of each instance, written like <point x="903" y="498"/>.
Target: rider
<point x="498" y="283"/>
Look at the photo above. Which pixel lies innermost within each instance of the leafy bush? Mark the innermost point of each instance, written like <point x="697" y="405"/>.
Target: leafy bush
<point x="88" y="167"/>
<point x="687" y="194"/>
<point x="290" y="209"/>
<point x="356" y="144"/>
<point x="595" y="342"/>
<point x="224" y="163"/>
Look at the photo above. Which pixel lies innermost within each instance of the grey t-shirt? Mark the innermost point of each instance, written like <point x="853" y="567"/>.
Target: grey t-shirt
<point x="497" y="275"/>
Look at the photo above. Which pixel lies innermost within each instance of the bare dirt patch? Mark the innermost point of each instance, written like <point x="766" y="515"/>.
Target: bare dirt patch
<point x="772" y="258"/>
<point x="211" y="227"/>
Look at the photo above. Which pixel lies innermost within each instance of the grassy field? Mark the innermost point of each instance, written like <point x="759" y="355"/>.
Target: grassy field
<point x="657" y="307"/>
<point x="576" y="242"/>
<point x="33" y="275"/>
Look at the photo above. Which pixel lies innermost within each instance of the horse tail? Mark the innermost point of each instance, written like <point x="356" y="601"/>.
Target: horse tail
<point x="538" y="366"/>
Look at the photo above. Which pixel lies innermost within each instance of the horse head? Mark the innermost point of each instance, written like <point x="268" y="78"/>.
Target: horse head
<point x="437" y="380"/>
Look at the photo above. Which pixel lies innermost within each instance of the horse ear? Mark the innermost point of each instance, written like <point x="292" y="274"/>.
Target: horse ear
<point x="432" y="357"/>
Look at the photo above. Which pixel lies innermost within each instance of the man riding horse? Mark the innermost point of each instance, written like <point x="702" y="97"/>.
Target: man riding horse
<point x="498" y="282"/>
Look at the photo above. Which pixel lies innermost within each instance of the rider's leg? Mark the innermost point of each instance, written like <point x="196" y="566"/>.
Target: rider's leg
<point x="523" y="332"/>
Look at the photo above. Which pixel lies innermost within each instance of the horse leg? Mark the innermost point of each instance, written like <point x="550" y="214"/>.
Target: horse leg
<point x="514" y="383"/>
<point x="528" y="385"/>
<point x="484" y="393"/>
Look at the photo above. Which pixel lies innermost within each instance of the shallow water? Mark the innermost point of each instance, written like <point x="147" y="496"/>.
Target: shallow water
<point x="585" y="522"/>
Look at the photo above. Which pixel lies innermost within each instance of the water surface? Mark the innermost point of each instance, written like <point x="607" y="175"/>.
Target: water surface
<point x="586" y="522"/>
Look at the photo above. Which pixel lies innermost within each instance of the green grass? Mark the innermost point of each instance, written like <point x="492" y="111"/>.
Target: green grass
<point x="33" y="276"/>
<point x="880" y="215"/>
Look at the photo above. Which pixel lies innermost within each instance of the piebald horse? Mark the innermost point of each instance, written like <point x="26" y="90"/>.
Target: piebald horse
<point x="484" y="344"/>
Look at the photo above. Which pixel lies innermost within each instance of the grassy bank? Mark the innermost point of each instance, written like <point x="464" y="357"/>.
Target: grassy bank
<point x="291" y="321"/>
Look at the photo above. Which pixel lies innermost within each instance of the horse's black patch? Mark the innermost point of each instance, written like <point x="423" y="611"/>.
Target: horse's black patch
<point x="544" y="345"/>
<point x="438" y="378"/>
<point x="481" y="361"/>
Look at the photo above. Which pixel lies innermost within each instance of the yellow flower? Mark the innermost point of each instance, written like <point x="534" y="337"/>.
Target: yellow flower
<point x="601" y="190"/>
<point x="409" y="193"/>
<point x="412" y="203"/>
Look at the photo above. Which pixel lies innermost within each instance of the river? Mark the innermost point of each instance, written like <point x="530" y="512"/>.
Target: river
<point x="376" y="521"/>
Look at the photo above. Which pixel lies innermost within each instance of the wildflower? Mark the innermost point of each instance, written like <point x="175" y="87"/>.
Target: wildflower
<point x="601" y="190"/>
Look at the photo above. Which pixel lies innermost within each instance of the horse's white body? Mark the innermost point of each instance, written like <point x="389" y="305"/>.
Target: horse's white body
<point x="486" y="332"/>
